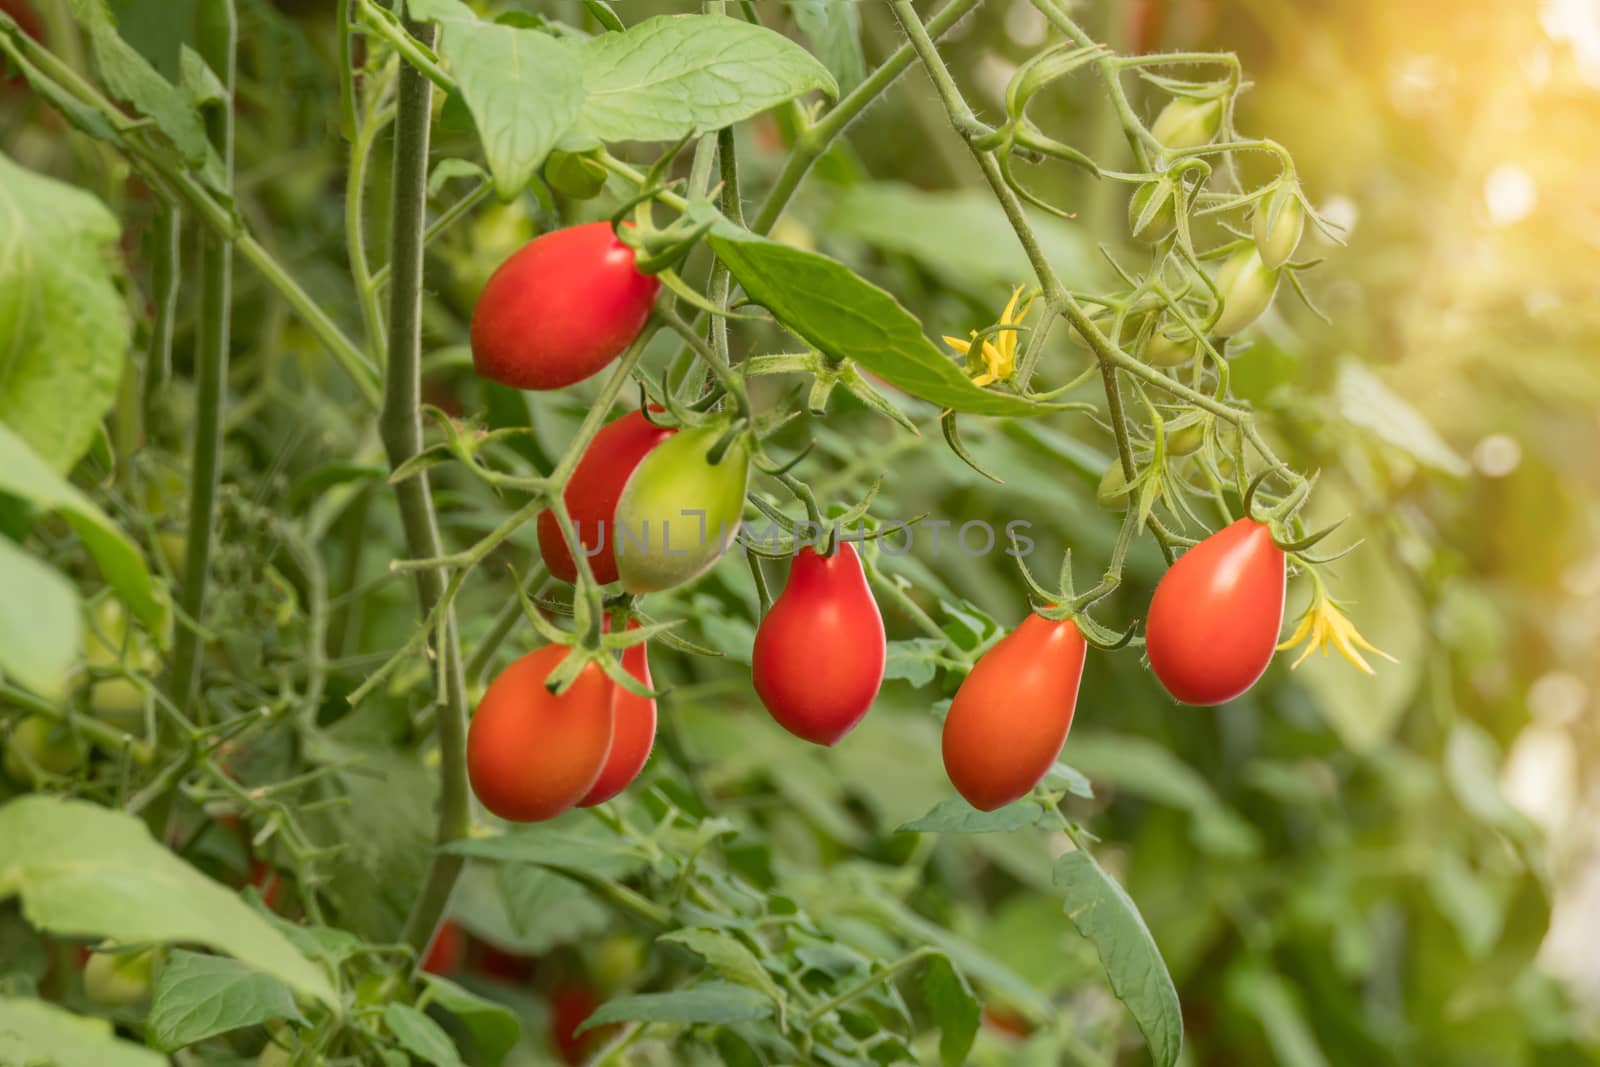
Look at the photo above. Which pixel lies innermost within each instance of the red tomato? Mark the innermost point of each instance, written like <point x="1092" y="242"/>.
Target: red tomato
<point x="633" y="732"/>
<point x="1007" y="1020"/>
<point x="531" y="755"/>
<point x="1011" y="715"/>
<point x="819" y="654"/>
<point x="449" y="948"/>
<point x="560" y="308"/>
<point x="1215" y="616"/>
<point x="592" y="493"/>
<point x="570" y="1005"/>
<point x="267" y="883"/>
<point x="502" y="966"/>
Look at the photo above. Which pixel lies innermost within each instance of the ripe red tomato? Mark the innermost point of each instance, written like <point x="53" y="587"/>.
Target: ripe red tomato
<point x="267" y="883"/>
<point x="532" y="755"/>
<point x="819" y="654"/>
<point x="1215" y="616"/>
<point x="1012" y="713"/>
<point x="592" y="493"/>
<point x="633" y="730"/>
<point x="570" y="1005"/>
<point x="448" y="950"/>
<point x="560" y="308"/>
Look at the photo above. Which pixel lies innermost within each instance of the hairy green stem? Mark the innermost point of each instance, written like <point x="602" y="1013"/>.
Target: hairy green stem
<point x="167" y="244"/>
<point x="219" y="47"/>
<point x="400" y="425"/>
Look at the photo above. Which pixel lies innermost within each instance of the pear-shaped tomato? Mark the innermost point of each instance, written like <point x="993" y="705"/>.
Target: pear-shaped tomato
<point x="118" y="979"/>
<point x="38" y="747"/>
<point x="592" y="494"/>
<point x="1279" y="220"/>
<point x="1215" y="616"/>
<point x="819" y="653"/>
<point x="1011" y="715"/>
<point x="633" y="733"/>
<point x="531" y="755"/>
<point x="560" y="308"/>
<point x="679" y="511"/>
<point x="1246" y="286"/>
<point x="1187" y="122"/>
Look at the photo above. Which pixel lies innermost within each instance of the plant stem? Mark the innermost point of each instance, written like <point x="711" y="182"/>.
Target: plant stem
<point x="400" y="425"/>
<point x="211" y="379"/>
<point x="882" y="974"/>
<point x="167" y="248"/>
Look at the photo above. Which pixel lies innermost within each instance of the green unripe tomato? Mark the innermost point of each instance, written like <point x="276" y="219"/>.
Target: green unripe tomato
<point x="1162" y="349"/>
<point x="1279" y="221"/>
<point x="274" y="1055"/>
<point x="39" y="741"/>
<point x="679" y="511"/>
<point x="118" y="979"/>
<point x="105" y="633"/>
<point x="1246" y="285"/>
<point x="1148" y="223"/>
<point x="1114" y="494"/>
<point x="1185" y="440"/>
<point x="1187" y="122"/>
<point x="581" y="177"/>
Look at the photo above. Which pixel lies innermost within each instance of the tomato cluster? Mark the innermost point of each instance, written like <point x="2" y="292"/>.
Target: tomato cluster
<point x="653" y="506"/>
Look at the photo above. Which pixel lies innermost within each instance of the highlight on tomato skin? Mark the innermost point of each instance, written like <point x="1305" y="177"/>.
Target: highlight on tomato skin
<point x="633" y="730"/>
<point x="592" y="494"/>
<point x="820" y="652"/>
<point x="1214" y="619"/>
<point x="1012" y="713"/>
<point x="560" y="308"/>
<point x="531" y="755"/>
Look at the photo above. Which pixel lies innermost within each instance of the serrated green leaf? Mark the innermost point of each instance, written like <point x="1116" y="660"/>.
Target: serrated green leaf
<point x="830" y="307"/>
<point x="674" y="75"/>
<point x="131" y="79"/>
<point x="710" y="1003"/>
<point x="1104" y="914"/>
<point x="494" y="1028"/>
<point x="913" y="660"/>
<point x="954" y="815"/>
<point x="600" y="856"/>
<point x="421" y="1036"/>
<point x="198" y="996"/>
<point x="545" y="909"/>
<point x="729" y="957"/>
<point x="953" y="1007"/>
<point x="32" y="1031"/>
<point x="85" y="871"/>
<point x="64" y="329"/>
<point x="524" y="89"/>
<point x="834" y="27"/>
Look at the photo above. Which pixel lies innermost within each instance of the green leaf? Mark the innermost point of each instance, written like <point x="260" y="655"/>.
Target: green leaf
<point x="833" y="309"/>
<point x="39" y="627"/>
<point x="546" y="910"/>
<point x="524" y="89"/>
<point x="322" y="943"/>
<point x="599" y="856"/>
<point x="1366" y="401"/>
<point x="64" y="328"/>
<point x="85" y="871"/>
<point x="421" y="1036"/>
<point x="913" y="660"/>
<point x="954" y="815"/>
<point x="198" y="996"/>
<point x="131" y="79"/>
<point x="440" y="11"/>
<point x="1266" y="996"/>
<point x="730" y="958"/>
<point x="1070" y="779"/>
<point x="32" y="1032"/>
<point x="962" y="236"/>
<point x="953" y="1007"/>
<point x="710" y="1003"/>
<point x="674" y="75"/>
<point x="25" y="475"/>
<point x="1105" y="915"/>
<point x="835" y="31"/>
<point x="494" y="1028"/>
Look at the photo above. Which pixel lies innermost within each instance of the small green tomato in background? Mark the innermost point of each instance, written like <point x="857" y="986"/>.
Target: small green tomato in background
<point x="39" y="745"/>
<point x="1187" y="122"/>
<point x="581" y="177"/>
<point x="1162" y="349"/>
<point x="679" y="511"/>
<point x="1246" y="285"/>
<point x="118" y="979"/>
<point x="1114" y="493"/>
<point x="1279" y="220"/>
<point x="1152" y="213"/>
<point x="105" y="636"/>
<point x="1185" y="440"/>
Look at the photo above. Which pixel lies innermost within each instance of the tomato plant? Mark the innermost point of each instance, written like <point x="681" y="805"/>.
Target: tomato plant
<point x="818" y="657"/>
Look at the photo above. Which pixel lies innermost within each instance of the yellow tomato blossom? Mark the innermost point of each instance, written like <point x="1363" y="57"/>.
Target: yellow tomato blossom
<point x="1324" y="625"/>
<point x="999" y="353"/>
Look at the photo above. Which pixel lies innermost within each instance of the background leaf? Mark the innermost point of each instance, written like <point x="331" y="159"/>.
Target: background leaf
<point x="198" y="996"/>
<point x="32" y="1031"/>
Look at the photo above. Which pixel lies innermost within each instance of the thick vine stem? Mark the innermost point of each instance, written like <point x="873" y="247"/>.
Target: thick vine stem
<point x="400" y="424"/>
<point x="218" y="45"/>
<point x="167" y="244"/>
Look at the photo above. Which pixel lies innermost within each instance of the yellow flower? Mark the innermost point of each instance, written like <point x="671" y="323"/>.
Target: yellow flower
<point x="999" y="355"/>
<point x="1323" y="625"/>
